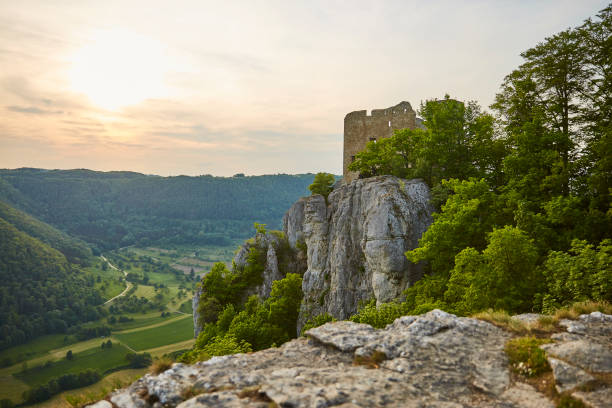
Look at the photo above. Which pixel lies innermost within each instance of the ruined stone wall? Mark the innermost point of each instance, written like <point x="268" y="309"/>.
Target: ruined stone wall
<point x="360" y="128"/>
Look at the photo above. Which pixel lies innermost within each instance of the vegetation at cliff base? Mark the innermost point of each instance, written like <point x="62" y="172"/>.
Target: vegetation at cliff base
<point x="523" y="219"/>
<point x="256" y="325"/>
<point x="231" y="321"/>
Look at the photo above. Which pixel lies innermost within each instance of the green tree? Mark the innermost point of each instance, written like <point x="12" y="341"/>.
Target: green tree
<point x="284" y="303"/>
<point x="471" y="211"/>
<point x="322" y="184"/>
<point x="583" y="273"/>
<point x="458" y="141"/>
<point x="504" y="276"/>
<point x="137" y="360"/>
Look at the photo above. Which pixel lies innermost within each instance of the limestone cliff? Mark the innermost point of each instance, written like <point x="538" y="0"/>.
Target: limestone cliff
<point x="355" y="243"/>
<point x="350" y="248"/>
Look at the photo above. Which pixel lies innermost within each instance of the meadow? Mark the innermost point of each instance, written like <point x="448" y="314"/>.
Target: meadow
<point x="35" y="348"/>
<point x="176" y="331"/>
<point x="98" y="358"/>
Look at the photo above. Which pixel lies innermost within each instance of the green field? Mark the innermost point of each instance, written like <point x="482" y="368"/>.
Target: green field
<point x="96" y="358"/>
<point x="187" y="307"/>
<point x="149" y="331"/>
<point x="108" y="283"/>
<point x="140" y="321"/>
<point x="35" y="348"/>
<point x="174" y="332"/>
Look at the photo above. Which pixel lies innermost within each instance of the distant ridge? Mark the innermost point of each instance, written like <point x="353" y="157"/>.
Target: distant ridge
<point x="119" y="208"/>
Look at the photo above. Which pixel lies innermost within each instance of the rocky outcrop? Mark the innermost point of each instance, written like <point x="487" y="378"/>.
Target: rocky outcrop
<point x="350" y="248"/>
<point x="432" y="360"/>
<point x="195" y="303"/>
<point x="581" y="357"/>
<point x="356" y="241"/>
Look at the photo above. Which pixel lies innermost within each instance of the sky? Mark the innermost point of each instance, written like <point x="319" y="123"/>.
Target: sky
<point x="254" y="87"/>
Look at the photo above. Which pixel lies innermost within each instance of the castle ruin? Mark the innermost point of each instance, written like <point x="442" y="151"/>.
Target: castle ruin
<point x="361" y="128"/>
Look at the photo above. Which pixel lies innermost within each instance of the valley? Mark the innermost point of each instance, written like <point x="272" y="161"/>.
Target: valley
<point x="149" y="293"/>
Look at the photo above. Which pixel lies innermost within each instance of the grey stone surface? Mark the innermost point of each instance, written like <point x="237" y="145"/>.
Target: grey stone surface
<point x="524" y="395"/>
<point x="595" y="399"/>
<point x="584" y="353"/>
<point x="356" y="243"/>
<point x="345" y="336"/>
<point x="101" y="404"/>
<point x="568" y="377"/>
<point x="195" y="302"/>
<point x="432" y="360"/>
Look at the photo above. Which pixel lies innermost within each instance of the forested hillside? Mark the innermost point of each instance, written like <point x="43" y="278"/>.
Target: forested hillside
<point x="41" y="291"/>
<point x="115" y="209"/>
<point x="74" y="250"/>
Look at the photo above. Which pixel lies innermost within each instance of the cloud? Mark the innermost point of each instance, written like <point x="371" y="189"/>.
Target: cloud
<point x="32" y="110"/>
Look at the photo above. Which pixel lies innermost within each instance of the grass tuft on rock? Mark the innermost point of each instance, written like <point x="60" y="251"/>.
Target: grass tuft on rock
<point x="525" y="356"/>
<point x="567" y="401"/>
<point x="160" y="365"/>
<point x="502" y="319"/>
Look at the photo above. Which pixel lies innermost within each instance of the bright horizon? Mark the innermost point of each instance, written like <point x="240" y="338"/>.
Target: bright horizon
<point x="208" y="88"/>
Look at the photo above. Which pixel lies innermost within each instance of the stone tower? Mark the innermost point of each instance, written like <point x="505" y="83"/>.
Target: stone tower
<point x="360" y="128"/>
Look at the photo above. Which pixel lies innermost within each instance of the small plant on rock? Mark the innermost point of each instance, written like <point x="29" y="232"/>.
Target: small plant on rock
<point x="526" y="357"/>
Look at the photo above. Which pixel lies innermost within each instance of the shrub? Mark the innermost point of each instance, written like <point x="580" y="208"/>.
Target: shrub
<point x="526" y="357"/>
<point x="581" y="274"/>
<point x="160" y="365"/>
<point x="139" y="360"/>
<point x="57" y="385"/>
<point x="317" y="321"/>
<point x="567" y="401"/>
<point x="6" y="403"/>
<point x="379" y="317"/>
<point x="322" y="184"/>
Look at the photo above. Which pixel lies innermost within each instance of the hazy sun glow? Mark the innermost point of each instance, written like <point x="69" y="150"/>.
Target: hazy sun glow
<point x="118" y="68"/>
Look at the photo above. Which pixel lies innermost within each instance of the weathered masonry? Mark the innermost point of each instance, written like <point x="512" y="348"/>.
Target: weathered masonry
<point x="360" y="128"/>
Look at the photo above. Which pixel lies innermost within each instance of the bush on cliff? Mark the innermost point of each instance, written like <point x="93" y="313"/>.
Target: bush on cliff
<point x="256" y="325"/>
<point x="322" y="184"/>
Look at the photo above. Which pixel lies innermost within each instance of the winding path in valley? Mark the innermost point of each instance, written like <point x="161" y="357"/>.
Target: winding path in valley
<point x="128" y="286"/>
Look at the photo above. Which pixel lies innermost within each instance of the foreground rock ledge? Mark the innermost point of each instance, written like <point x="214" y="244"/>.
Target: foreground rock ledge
<point x="433" y="360"/>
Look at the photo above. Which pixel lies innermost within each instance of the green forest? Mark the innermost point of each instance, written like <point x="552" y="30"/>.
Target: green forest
<point x="110" y="210"/>
<point x="522" y="195"/>
<point x="42" y="291"/>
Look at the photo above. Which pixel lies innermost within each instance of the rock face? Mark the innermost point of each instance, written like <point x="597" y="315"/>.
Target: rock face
<point x="583" y="355"/>
<point x="432" y="360"/>
<point x="356" y="243"/>
<point x="195" y="302"/>
<point x="349" y="249"/>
